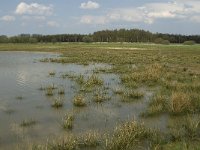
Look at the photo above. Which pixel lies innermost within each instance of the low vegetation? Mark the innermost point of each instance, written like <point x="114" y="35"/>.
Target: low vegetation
<point x="163" y="78"/>
<point x="68" y="121"/>
<point x="28" y="123"/>
<point x="58" y="103"/>
<point x="79" y="101"/>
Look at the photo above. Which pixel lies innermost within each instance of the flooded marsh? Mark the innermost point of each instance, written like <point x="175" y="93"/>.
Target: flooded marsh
<point x="100" y="99"/>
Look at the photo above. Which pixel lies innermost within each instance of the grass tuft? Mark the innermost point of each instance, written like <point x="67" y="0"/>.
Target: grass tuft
<point x="79" y="101"/>
<point x="58" y="103"/>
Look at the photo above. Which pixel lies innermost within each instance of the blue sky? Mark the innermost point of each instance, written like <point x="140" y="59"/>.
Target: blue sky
<point x="87" y="16"/>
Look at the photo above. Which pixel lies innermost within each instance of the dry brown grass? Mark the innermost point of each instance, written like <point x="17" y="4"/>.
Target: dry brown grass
<point x="180" y="102"/>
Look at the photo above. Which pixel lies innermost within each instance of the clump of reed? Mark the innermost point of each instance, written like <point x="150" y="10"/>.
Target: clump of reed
<point x="90" y="139"/>
<point x="129" y="136"/>
<point x="184" y="127"/>
<point x="180" y="102"/>
<point x="28" y="123"/>
<point x="79" y="101"/>
<point x="99" y="97"/>
<point x="52" y="73"/>
<point x="151" y="75"/>
<point x="58" y="103"/>
<point x="157" y="105"/>
<point x="61" y="91"/>
<point x="49" y="90"/>
<point x="68" y="121"/>
<point x="41" y="88"/>
<point x="94" y="81"/>
<point x="52" y="87"/>
<point x="118" y="91"/>
<point x="135" y="94"/>
<point x="132" y="95"/>
<point x="80" y="79"/>
<point x="19" y="97"/>
<point x="68" y="142"/>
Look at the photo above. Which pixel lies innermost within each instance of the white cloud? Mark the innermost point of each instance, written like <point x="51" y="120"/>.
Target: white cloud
<point x="150" y="12"/>
<point x="33" y="9"/>
<point x="53" y="24"/>
<point x="93" y="20"/>
<point x="8" y="18"/>
<point x="195" y="19"/>
<point x="126" y="14"/>
<point x="90" y="5"/>
<point x="34" y="18"/>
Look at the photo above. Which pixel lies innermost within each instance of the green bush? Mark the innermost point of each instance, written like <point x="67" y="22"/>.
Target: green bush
<point x="161" y="41"/>
<point x="165" y="42"/>
<point x="87" y="39"/>
<point x="189" y="43"/>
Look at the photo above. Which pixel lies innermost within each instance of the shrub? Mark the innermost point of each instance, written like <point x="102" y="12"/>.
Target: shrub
<point x="161" y="41"/>
<point x="158" y="40"/>
<point x="189" y="43"/>
<point x="87" y="39"/>
<point x="165" y="42"/>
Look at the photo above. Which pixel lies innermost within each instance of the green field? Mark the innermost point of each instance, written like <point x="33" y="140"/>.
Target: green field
<point x="171" y="72"/>
<point x="71" y="46"/>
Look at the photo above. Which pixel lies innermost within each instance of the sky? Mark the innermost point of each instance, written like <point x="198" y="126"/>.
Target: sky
<point x="88" y="16"/>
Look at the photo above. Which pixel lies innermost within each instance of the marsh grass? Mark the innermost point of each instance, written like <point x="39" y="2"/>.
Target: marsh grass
<point x="9" y="111"/>
<point x="90" y="139"/>
<point x="185" y="128"/>
<point x="58" y="103"/>
<point x="52" y="73"/>
<point x="131" y="135"/>
<point x="180" y="102"/>
<point x="135" y="94"/>
<point x="118" y="91"/>
<point x="68" y="121"/>
<point x="157" y="105"/>
<point x="100" y="97"/>
<point x="61" y="91"/>
<point x="69" y="142"/>
<point x="79" y="101"/>
<point x="52" y="87"/>
<point x="132" y="95"/>
<point x="19" y="97"/>
<point x="49" y="92"/>
<point x="150" y="74"/>
<point x="80" y="79"/>
<point x="172" y="70"/>
<point x="94" y="80"/>
<point x="28" y="123"/>
<point x="41" y="88"/>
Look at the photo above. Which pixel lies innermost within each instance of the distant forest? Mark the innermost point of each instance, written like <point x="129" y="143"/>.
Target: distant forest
<point x="121" y="35"/>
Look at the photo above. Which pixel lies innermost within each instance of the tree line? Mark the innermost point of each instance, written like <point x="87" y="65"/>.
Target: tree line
<point x="121" y="35"/>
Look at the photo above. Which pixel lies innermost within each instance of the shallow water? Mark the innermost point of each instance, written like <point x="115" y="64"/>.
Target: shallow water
<point x="22" y="74"/>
